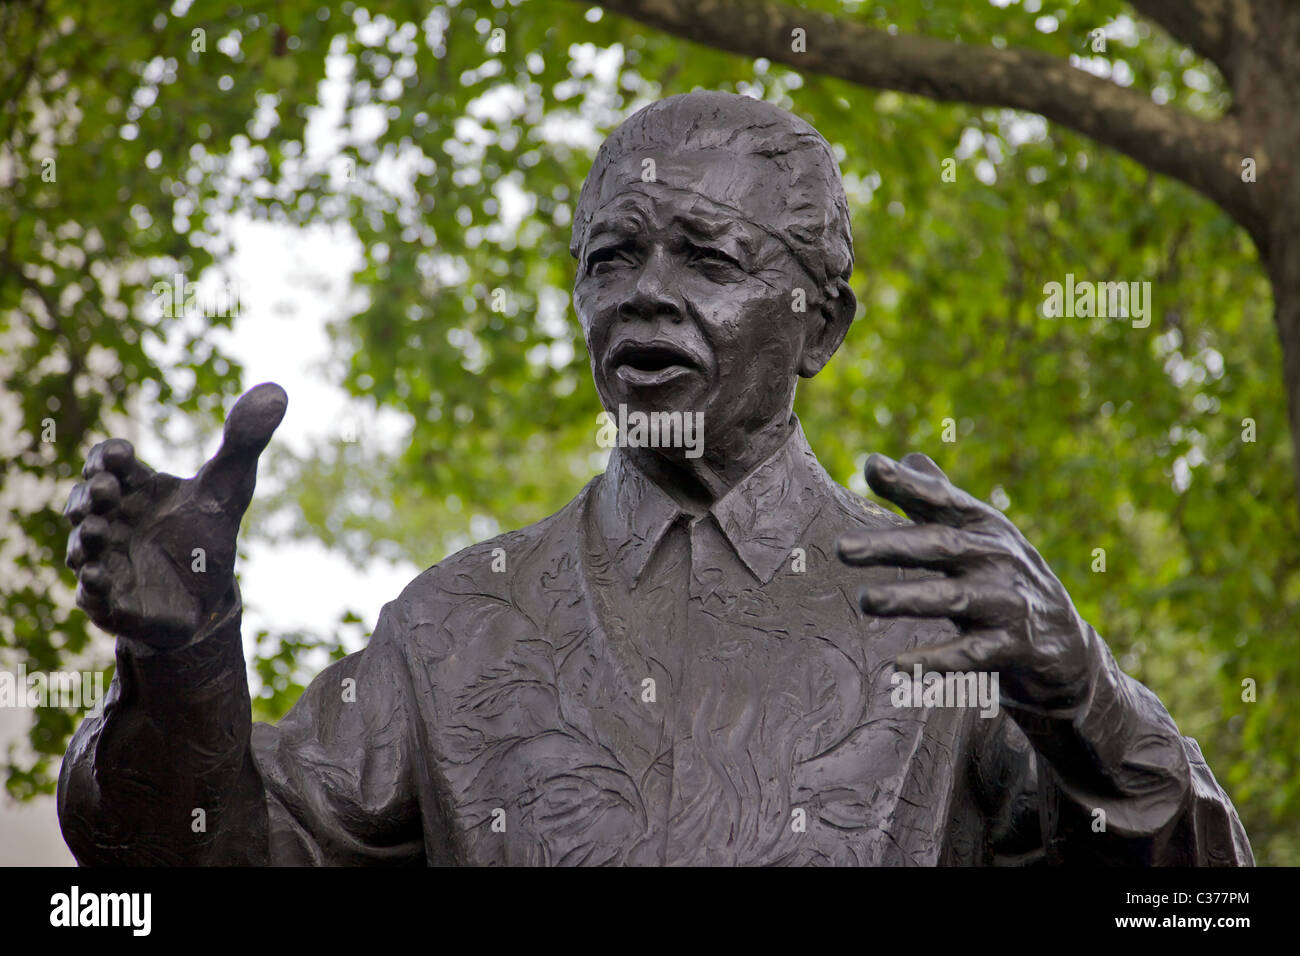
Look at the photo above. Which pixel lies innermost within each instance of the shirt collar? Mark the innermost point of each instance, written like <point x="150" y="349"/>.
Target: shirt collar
<point x="763" y="516"/>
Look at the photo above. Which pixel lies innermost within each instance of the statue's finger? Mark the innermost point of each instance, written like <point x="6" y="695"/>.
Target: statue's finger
<point x="93" y="588"/>
<point x="94" y="461"/>
<point x="230" y="476"/>
<point x="78" y="505"/>
<point x="979" y="651"/>
<point x="94" y="533"/>
<point x="928" y="597"/>
<point x="87" y="541"/>
<point x="75" y="556"/>
<point x="119" y="459"/>
<point x="959" y="599"/>
<point x="105" y="493"/>
<point x="922" y="495"/>
<point x="94" y="579"/>
<point x="918" y="461"/>
<point x="117" y="456"/>
<point x="936" y="546"/>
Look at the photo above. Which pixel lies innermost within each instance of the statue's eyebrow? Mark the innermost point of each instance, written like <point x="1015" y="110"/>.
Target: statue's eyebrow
<point x="714" y="229"/>
<point x="626" y="221"/>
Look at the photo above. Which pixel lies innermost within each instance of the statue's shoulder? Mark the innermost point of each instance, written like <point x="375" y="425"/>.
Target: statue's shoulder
<point x="498" y="573"/>
<point x="855" y="509"/>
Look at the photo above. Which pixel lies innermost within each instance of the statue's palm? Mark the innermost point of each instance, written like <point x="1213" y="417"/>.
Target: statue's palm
<point x="155" y="554"/>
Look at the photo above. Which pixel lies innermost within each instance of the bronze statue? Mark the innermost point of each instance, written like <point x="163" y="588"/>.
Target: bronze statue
<point x="713" y="654"/>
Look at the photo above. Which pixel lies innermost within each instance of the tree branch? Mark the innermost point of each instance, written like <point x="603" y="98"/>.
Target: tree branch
<point x="1204" y="154"/>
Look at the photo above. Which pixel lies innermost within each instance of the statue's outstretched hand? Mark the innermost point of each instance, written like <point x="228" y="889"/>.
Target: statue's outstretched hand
<point x="155" y="554"/>
<point x="1015" y="617"/>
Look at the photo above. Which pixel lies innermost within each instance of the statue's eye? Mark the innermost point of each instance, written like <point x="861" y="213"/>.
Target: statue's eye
<point x="602" y="260"/>
<point x="712" y="258"/>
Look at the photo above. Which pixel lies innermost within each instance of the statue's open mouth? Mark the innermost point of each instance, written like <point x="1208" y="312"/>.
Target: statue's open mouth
<point x="651" y="363"/>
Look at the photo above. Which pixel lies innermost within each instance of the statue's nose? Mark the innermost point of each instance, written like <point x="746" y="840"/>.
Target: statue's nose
<point x="655" y="295"/>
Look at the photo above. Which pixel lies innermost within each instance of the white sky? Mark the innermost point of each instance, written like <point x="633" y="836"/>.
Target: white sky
<point x="281" y="337"/>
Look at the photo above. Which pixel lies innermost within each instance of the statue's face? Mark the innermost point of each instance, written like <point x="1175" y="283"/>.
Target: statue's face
<point x="687" y="307"/>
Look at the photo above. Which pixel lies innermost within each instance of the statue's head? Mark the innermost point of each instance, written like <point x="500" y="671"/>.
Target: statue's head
<point x="714" y="251"/>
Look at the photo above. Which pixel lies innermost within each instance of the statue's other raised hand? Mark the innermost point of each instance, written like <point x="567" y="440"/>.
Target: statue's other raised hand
<point x="155" y="554"/>
<point x="1015" y="617"/>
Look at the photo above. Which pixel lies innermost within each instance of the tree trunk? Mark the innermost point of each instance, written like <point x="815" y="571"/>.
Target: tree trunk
<point x="1264" y="67"/>
<point x="1284" y="273"/>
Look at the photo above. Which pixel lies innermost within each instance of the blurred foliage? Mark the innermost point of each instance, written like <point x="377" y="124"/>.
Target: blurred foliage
<point x="285" y="663"/>
<point x="466" y="144"/>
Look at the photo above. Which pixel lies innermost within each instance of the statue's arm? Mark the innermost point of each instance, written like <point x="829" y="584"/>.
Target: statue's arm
<point x="172" y="771"/>
<point x="1111" y="780"/>
<point x="163" y="776"/>
<point x="1114" y="780"/>
<point x="175" y="773"/>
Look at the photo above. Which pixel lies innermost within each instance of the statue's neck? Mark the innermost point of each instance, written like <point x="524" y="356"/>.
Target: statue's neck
<point x="696" y="483"/>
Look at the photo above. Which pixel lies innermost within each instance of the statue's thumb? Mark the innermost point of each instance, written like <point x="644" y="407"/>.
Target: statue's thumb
<point x="924" y="464"/>
<point x="229" y="477"/>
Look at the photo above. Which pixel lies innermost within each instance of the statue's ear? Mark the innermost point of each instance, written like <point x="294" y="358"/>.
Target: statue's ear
<point x="827" y="327"/>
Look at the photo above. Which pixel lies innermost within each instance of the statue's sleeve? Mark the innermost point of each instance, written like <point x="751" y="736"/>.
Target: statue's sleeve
<point x="173" y="772"/>
<point x="1110" y="782"/>
<point x="339" y="769"/>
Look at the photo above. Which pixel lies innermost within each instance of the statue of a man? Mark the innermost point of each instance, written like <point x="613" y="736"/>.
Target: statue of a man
<point x="696" y="660"/>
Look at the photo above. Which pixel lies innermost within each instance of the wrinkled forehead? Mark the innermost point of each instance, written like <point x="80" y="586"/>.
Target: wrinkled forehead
<point x="713" y="190"/>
